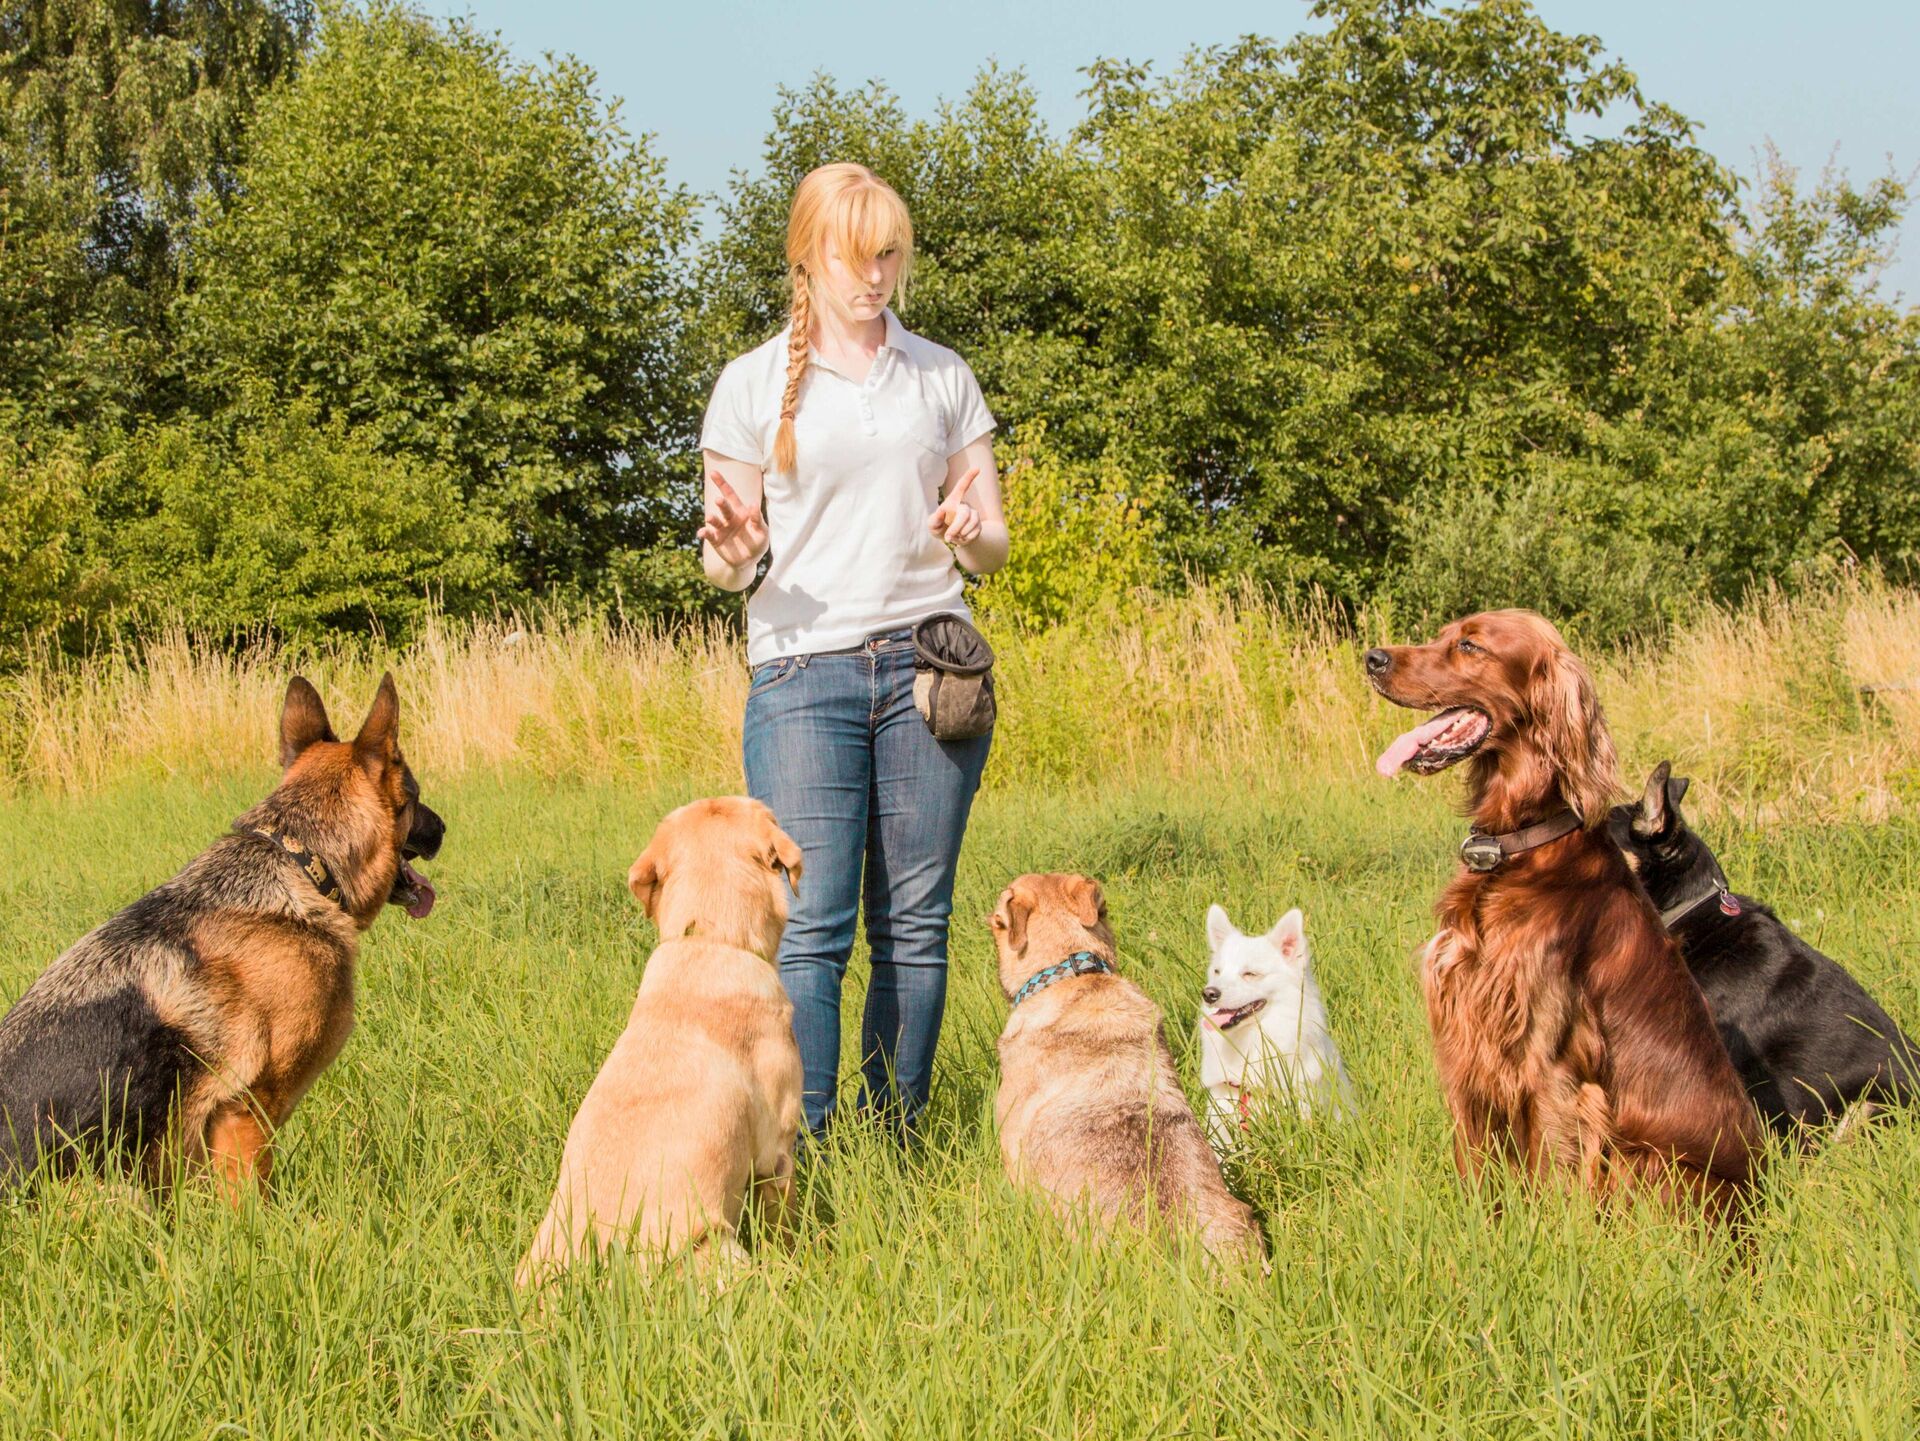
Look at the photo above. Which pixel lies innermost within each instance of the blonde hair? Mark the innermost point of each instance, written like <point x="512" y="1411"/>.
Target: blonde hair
<point x="862" y="216"/>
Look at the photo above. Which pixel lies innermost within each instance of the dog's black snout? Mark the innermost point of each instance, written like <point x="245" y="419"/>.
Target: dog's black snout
<point x="1211" y="995"/>
<point x="425" y="834"/>
<point x="1378" y="662"/>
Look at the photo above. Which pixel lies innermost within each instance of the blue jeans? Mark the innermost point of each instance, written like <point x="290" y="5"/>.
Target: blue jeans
<point x="835" y="748"/>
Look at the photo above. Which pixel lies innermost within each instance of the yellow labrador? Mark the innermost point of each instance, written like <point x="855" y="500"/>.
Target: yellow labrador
<point x="698" y="1105"/>
<point x="1090" y="1109"/>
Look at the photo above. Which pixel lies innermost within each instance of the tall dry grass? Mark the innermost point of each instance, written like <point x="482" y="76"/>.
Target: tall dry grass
<point x="554" y="696"/>
<point x="1810" y="700"/>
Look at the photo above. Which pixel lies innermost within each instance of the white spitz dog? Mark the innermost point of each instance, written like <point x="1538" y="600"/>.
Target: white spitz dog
<point x="1263" y="1028"/>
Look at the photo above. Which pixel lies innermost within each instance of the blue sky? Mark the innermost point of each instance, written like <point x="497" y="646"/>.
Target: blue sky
<point x="1820" y="81"/>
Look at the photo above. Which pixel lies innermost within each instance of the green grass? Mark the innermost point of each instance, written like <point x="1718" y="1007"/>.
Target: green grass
<point x="371" y="1295"/>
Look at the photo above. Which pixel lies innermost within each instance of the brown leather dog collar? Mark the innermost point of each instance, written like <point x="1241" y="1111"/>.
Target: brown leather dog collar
<point x="1483" y="852"/>
<point x="310" y="865"/>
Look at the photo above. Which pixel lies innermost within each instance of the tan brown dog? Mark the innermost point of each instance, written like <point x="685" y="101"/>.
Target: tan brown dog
<point x="184" y="1030"/>
<point x="698" y="1104"/>
<point x="1090" y="1109"/>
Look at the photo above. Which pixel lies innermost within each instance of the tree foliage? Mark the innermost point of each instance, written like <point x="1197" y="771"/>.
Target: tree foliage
<point x="471" y="261"/>
<point x="120" y="121"/>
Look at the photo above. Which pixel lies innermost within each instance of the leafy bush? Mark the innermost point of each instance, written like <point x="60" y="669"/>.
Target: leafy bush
<point x="1084" y="537"/>
<point x="50" y="575"/>
<point x="298" y="527"/>
<point x="1566" y="538"/>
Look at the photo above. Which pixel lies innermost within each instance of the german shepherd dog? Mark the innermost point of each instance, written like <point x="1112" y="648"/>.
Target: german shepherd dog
<point x="183" y="1032"/>
<point x="1808" y="1041"/>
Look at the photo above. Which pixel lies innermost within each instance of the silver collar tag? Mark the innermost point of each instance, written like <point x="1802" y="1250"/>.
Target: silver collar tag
<point x="1481" y="853"/>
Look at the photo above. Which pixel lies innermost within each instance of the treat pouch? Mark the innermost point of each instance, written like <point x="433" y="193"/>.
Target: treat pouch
<point x="953" y="677"/>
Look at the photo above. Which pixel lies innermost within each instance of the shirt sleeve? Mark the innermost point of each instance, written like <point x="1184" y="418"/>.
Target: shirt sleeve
<point x="730" y="428"/>
<point x="971" y="418"/>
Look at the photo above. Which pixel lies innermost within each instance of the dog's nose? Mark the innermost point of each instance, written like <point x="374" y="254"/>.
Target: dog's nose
<point x="1378" y="661"/>
<point x="426" y="833"/>
<point x="1211" y="995"/>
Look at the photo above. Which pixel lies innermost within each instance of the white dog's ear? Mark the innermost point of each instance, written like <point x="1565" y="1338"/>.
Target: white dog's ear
<point x="1289" y="934"/>
<point x="1219" y="928"/>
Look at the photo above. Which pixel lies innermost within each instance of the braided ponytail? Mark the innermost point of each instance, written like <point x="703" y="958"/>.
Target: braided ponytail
<point x="841" y="206"/>
<point x="799" y="342"/>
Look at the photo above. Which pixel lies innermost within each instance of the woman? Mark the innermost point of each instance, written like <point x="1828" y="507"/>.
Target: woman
<point x="871" y="450"/>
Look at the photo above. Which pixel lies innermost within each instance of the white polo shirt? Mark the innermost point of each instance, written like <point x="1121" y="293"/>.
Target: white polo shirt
<point x="847" y="527"/>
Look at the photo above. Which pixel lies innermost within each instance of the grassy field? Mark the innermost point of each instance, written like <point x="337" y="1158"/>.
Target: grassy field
<point x="371" y="1295"/>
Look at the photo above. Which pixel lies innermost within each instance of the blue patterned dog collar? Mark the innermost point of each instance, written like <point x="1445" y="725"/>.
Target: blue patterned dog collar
<point x="1080" y="963"/>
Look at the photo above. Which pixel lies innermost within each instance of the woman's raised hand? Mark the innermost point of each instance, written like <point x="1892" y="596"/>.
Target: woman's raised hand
<point x="733" y="528"/>
<point x="956" y="522"/>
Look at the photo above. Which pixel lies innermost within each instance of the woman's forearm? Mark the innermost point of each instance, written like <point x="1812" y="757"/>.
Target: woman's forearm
<point x="986" y="552"/>
<point x="724" y="575"/>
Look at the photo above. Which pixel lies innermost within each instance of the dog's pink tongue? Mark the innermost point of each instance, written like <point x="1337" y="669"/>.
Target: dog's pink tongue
<point x="423" y="895"/>
<point x="1401" y="751"/>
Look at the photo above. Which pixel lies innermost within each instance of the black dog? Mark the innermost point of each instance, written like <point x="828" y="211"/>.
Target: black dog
<point x="1805" y="1037"/>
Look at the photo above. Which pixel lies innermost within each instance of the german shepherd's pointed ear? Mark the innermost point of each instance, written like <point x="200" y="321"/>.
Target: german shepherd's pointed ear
<point x="303" y="720"/>
<point x="1009" y="918"/>
<point x="643" y="878"/>
<point x="1650" y="816"/>
<point x="379" y="738"/>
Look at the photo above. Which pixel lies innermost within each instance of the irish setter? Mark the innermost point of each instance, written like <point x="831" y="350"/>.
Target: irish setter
<point x="1569" y="1037"/>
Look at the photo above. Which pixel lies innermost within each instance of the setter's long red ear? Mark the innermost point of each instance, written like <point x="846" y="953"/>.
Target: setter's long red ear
<point x="1576" y="737"/>
<point x="303" y="720"/>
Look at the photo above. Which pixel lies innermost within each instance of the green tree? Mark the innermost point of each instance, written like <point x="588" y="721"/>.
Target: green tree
<point x="119" y="120"/>
<point x="61" y="349"/>
<point x="468" y="260"/>
<point x="1397" y="263"/>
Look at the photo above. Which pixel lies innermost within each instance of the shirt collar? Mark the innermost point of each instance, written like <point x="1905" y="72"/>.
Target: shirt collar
<point x="896" y="338"/>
